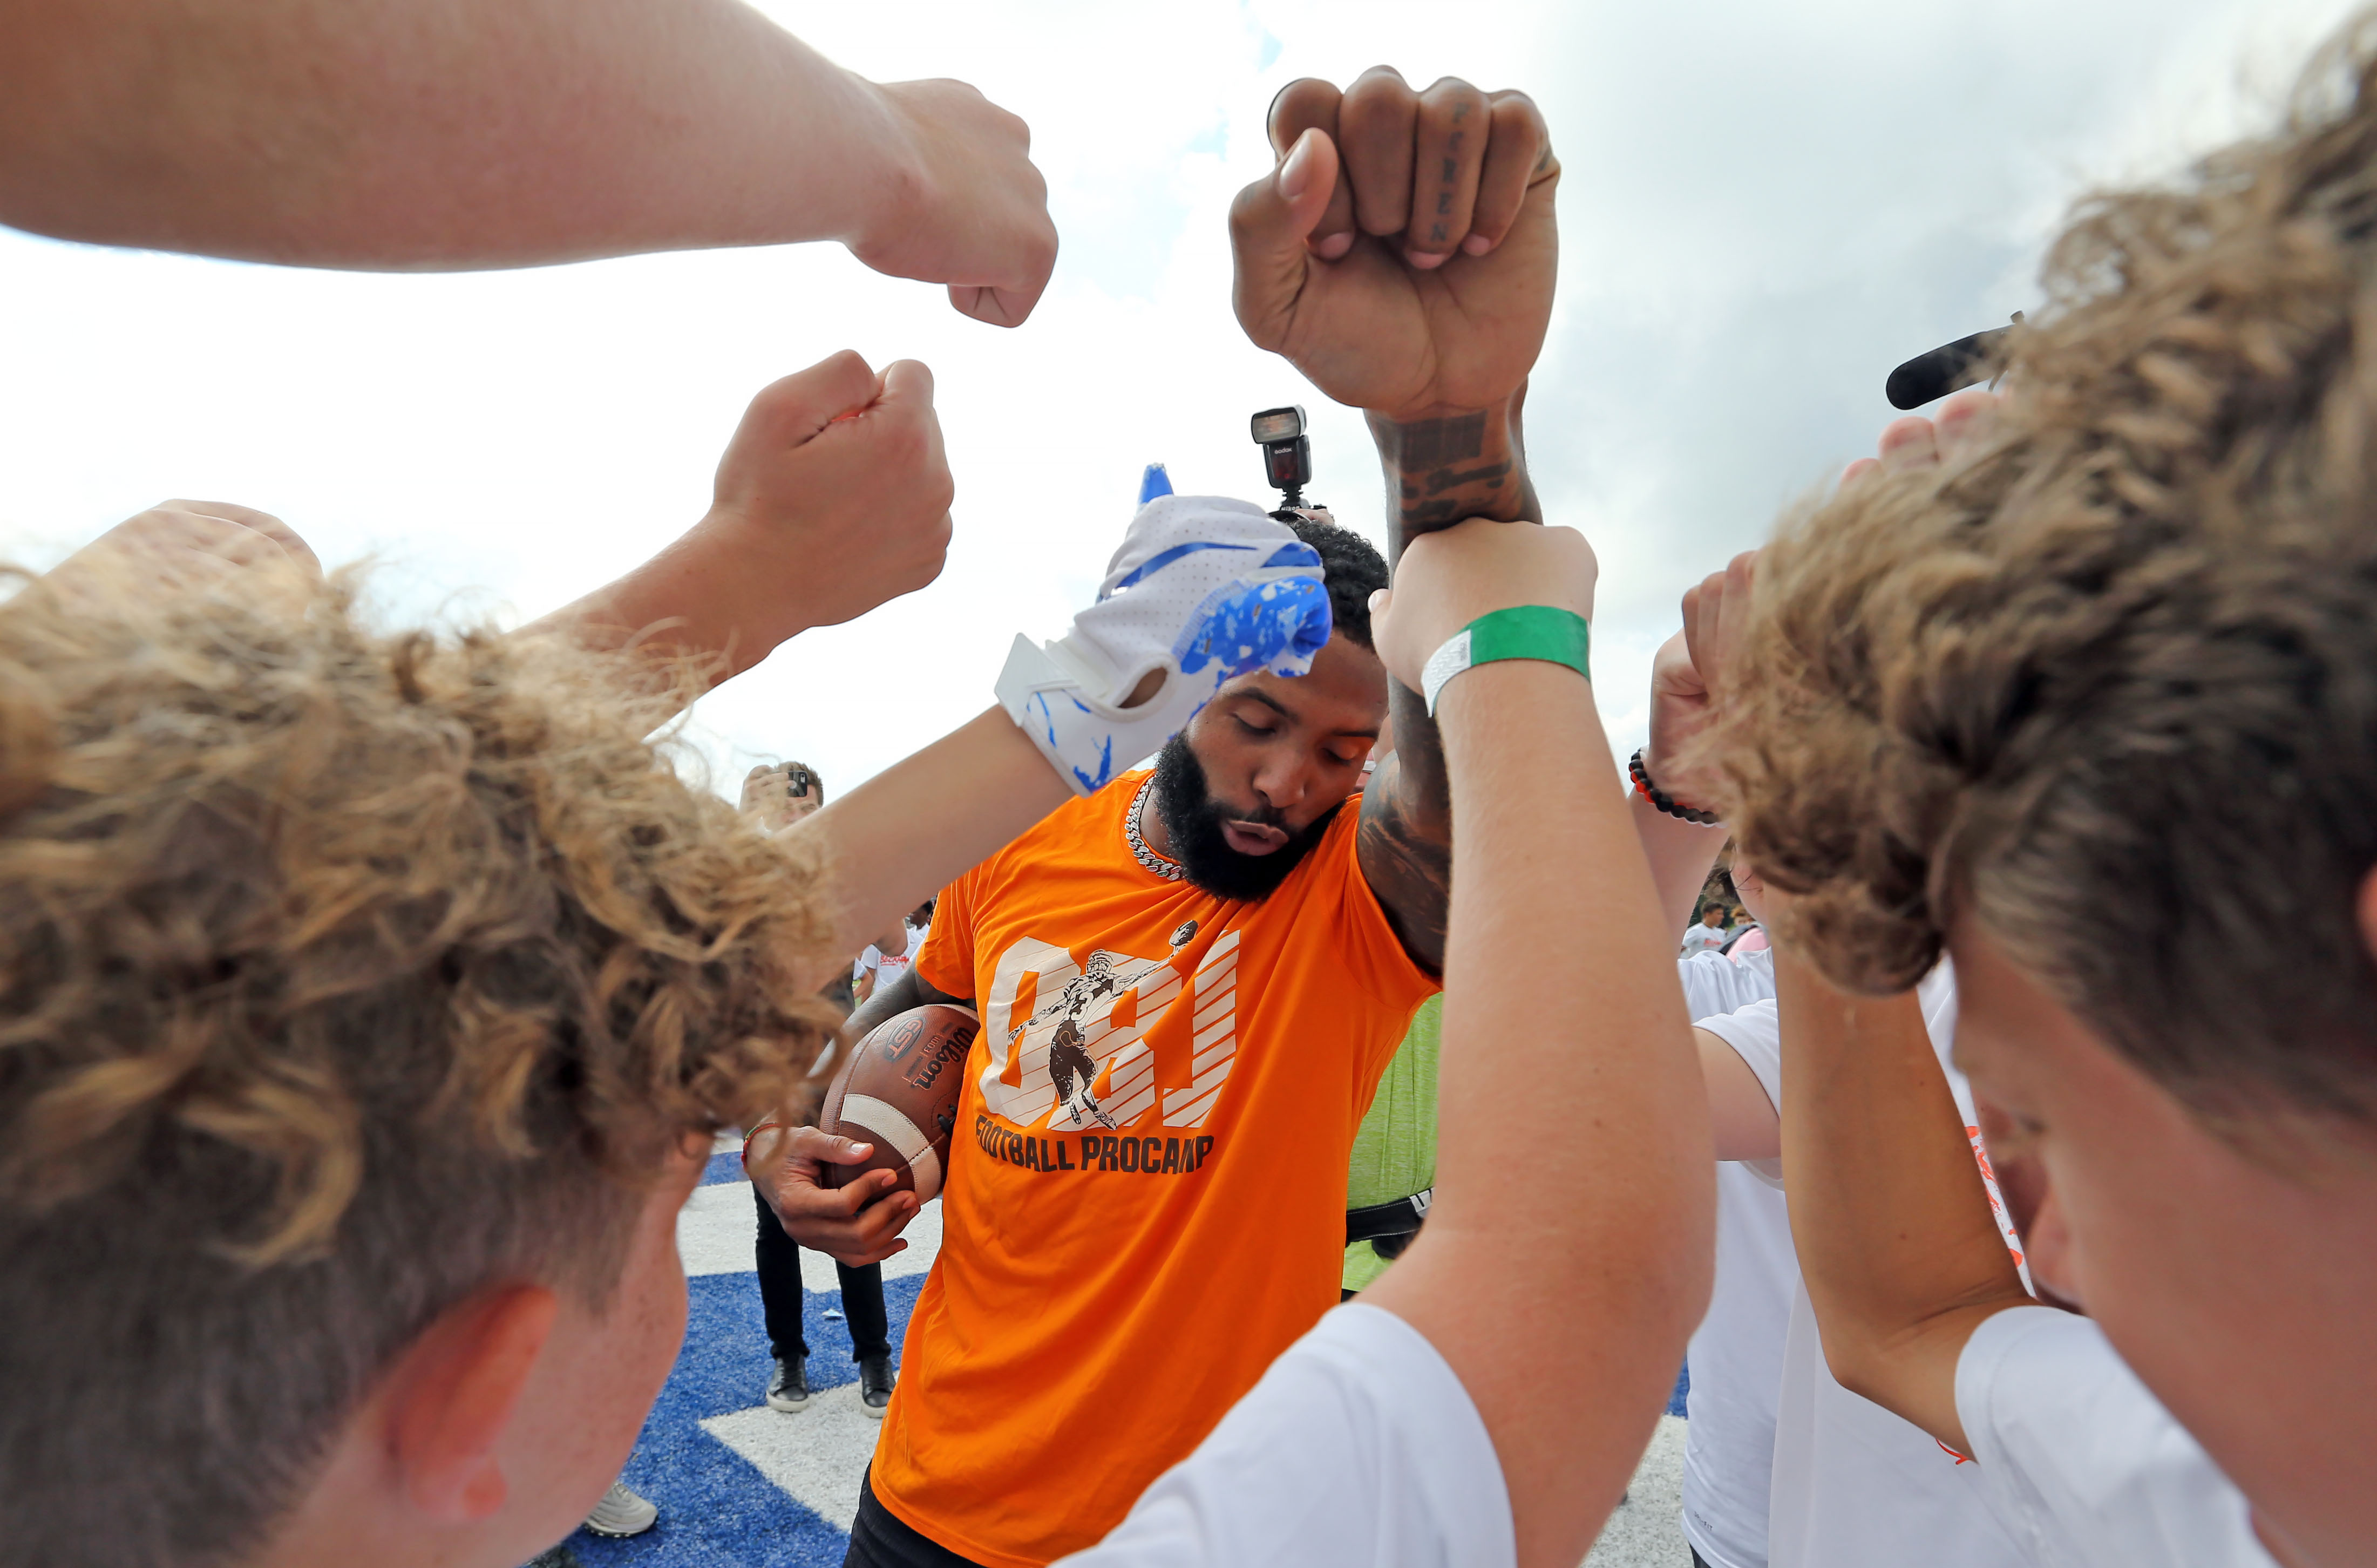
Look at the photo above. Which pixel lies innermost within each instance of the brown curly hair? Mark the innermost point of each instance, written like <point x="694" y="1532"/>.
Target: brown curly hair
<point x="2108" y="684"/>
<point x="345" y="972"/>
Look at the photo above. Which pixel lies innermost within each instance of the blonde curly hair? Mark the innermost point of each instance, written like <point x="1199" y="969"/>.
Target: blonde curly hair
<point x="2108" y="685"/>
<point x="344" y="972"/>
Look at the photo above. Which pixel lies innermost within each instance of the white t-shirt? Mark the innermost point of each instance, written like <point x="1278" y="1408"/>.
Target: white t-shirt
<point x="1737" y="1353"/>
<point x="1760" y="958"/>
<point x="1702" y="935"/>
<point x="1851" y="1485"/>
<point x="1358" y="1447"/>
<point x="2082" y="1463"/>
<point x="1714" y="983"/>
<point x="1736" y="1365"/>
<point x="887" y="968"/>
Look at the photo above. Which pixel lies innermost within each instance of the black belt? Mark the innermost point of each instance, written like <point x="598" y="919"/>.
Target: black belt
<point x="1389" y="1227"/>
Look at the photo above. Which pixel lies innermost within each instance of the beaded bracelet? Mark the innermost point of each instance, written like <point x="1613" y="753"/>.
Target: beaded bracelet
<point x="1666" y="802"/>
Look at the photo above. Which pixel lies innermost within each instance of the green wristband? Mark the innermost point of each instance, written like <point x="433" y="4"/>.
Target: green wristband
<point x="1522" y="631"/>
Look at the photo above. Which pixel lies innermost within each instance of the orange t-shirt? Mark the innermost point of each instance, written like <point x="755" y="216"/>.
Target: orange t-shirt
<point x="1145" y="1202"/>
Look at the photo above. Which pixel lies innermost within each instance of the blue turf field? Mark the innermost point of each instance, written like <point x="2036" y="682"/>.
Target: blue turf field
<point x="740" y="1492"/>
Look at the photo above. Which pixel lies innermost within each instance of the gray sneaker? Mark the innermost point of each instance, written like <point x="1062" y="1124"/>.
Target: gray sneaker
<point x="621" y="1513"/>
<point x="788" y="1386"/>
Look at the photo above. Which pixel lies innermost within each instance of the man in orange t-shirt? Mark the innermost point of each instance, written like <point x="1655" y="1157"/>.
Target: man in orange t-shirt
<point x="1145" y="1204"/>
<point x="1191" y="982"/>
<point x="1165" y="1263"/>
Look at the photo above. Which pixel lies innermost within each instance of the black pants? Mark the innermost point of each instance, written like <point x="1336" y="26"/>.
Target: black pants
<point x="780" y="1295"/>
<point x="879" y="1538"/>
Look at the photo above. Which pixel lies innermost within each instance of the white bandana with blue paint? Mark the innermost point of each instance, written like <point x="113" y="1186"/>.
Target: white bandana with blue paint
<point x="1205" y="589"/>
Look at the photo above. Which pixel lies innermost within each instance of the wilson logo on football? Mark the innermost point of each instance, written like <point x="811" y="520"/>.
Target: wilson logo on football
<point x="925" y="1071"/>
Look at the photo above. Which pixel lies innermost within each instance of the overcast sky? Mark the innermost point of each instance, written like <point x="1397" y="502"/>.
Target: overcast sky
<point x="1765" y="208"/>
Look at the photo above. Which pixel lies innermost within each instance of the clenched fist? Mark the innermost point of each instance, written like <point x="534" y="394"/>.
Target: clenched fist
<point x="975" y="214"/>
<point x="1688" y="682"/>
<point x="833" y="497"/>
<point x="835" y="492"/>
<point x="1403" y="252"/>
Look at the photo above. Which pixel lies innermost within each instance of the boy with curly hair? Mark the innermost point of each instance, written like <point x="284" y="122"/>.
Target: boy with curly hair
<point x="2079" y="687"/>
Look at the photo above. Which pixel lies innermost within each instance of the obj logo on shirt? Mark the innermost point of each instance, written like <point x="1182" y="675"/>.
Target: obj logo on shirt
<point x="1081" y="1059"/>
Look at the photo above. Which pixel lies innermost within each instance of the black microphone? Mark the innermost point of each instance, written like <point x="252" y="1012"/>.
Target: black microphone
<point x="1945" y="369"/>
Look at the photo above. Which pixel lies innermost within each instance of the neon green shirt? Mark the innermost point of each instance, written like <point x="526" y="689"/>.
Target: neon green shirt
<point x="1395" y="1153"/>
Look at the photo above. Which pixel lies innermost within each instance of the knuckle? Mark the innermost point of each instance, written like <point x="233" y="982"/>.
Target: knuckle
<point x="1301" y="101"/>
<point x="1246" y="208"/>
<point x="1378" y="106"/>
<point x="845" y="365"/>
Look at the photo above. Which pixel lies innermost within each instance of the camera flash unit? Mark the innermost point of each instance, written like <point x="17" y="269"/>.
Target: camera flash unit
<point x="1287" y="454"/>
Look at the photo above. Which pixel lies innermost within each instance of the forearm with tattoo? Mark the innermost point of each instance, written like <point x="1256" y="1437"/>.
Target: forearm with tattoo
<point x="1440" y="472"/>
<point x="1446" y="469"/>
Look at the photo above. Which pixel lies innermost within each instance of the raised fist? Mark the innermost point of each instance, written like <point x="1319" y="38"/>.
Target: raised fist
<point x="1403" y="252"/>
<point x="834" y="491"/>
<point x="977" y="216"/>
<point x="833" y="497"/>
<point x="1688" y="682"/>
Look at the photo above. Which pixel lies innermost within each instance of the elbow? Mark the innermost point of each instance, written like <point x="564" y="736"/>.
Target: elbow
<point x="1859" y="1355"/>
<point x="1677" y="1280"/>
<point x="1856" y="1368"/>
<point x="1693" y="1276"/>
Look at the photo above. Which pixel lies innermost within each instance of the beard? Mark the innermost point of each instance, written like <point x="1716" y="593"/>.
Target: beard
<point x="1194" y="820"/>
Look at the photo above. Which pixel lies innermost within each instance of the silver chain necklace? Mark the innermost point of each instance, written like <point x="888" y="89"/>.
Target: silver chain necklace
<point x="1147" y="857"/>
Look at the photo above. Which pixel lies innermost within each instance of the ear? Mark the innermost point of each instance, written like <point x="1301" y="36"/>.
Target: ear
<point x="2048" y="1250"/>
<point x="453" y="1393"/>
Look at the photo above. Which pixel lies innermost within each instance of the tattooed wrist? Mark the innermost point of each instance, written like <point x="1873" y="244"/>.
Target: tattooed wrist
<point x="1441" y="470"/>
<point x="1446" y="467"/>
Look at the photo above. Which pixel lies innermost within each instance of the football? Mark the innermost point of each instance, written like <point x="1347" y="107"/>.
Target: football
<point x="899" y="1091"/>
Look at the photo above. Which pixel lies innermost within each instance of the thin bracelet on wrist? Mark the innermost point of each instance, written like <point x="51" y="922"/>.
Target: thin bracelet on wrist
<point x="1665" y="802"/>
<point x="754" y="1133"/>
